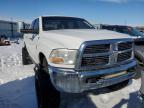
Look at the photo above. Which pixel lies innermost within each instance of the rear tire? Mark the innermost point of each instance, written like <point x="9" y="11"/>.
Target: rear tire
<point x="25" y="57"/>
<point x="47" y="95"/>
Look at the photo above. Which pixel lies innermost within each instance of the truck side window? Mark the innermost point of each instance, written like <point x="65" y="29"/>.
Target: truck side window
<point x="32" y="25"/>
<point x="36" y="25"/>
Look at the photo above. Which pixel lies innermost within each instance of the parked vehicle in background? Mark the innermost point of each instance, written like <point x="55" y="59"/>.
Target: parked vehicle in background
<point x="72" y="56"/>
<point x="4" y="41"/>
<point x="142" y="32"/>
<point x="132" y="31"/>
<point x="141" y="29"/>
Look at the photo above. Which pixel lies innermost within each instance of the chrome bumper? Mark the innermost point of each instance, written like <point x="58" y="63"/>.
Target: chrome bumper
<point x="71" y="81"/>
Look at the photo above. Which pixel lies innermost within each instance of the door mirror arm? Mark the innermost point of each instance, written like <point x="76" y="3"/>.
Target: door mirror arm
<point x="27" y="31"/>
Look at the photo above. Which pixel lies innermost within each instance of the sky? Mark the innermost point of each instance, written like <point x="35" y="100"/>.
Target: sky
<point x="130" y="12"/>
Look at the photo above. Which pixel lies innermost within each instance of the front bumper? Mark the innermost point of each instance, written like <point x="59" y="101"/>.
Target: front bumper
<point x="71" y="81"/>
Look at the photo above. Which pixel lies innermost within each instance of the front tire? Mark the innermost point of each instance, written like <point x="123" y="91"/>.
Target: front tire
<point x="47" y="95"/>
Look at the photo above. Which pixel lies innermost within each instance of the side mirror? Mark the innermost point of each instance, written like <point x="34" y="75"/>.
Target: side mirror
<point x="31" y="31"/>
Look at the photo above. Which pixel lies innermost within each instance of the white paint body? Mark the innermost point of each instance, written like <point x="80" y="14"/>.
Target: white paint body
<point x="46" y="41"/>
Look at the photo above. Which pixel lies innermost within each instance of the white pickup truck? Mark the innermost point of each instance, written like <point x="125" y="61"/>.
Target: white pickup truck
<point x="72" y="56"/>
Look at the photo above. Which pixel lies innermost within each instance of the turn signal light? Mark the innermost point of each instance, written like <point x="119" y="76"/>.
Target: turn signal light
<point x="56" y="60"/>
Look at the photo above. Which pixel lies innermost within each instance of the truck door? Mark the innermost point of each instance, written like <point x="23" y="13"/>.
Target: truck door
<point x="28" y="39"/>
<point x="34" y="40"/>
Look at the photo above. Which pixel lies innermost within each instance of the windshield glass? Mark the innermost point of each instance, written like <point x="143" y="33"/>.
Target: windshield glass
<point x="57" y="23"/>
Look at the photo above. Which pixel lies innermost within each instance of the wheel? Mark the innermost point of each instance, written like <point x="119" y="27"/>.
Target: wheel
<point x="47" y="95"/>
<point x="25" y="57"/>
<point x="118" y="86"/>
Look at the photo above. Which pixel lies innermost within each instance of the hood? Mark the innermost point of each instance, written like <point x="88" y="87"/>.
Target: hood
<point x="72" y="39"/>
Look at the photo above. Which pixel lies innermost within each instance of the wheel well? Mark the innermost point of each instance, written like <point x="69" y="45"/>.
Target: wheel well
<point x="24" y="45"/>
<point x="41" y="57"/>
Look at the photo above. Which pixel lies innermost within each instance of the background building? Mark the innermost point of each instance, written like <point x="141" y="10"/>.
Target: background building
<point x="11" y="29"/>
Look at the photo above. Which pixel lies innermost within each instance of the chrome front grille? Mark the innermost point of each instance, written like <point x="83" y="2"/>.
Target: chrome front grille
<point x="97" y="49"/>
<point x="124" y="56"/>
<point x="92" y="61"/>
<point x="105" y="53"/>
<point x="124" y="46"/>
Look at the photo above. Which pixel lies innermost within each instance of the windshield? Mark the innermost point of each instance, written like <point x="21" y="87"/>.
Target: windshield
<point x="57" y="23"/>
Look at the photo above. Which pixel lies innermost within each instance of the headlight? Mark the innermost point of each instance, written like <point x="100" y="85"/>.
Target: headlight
<point x="63" y="56"/>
